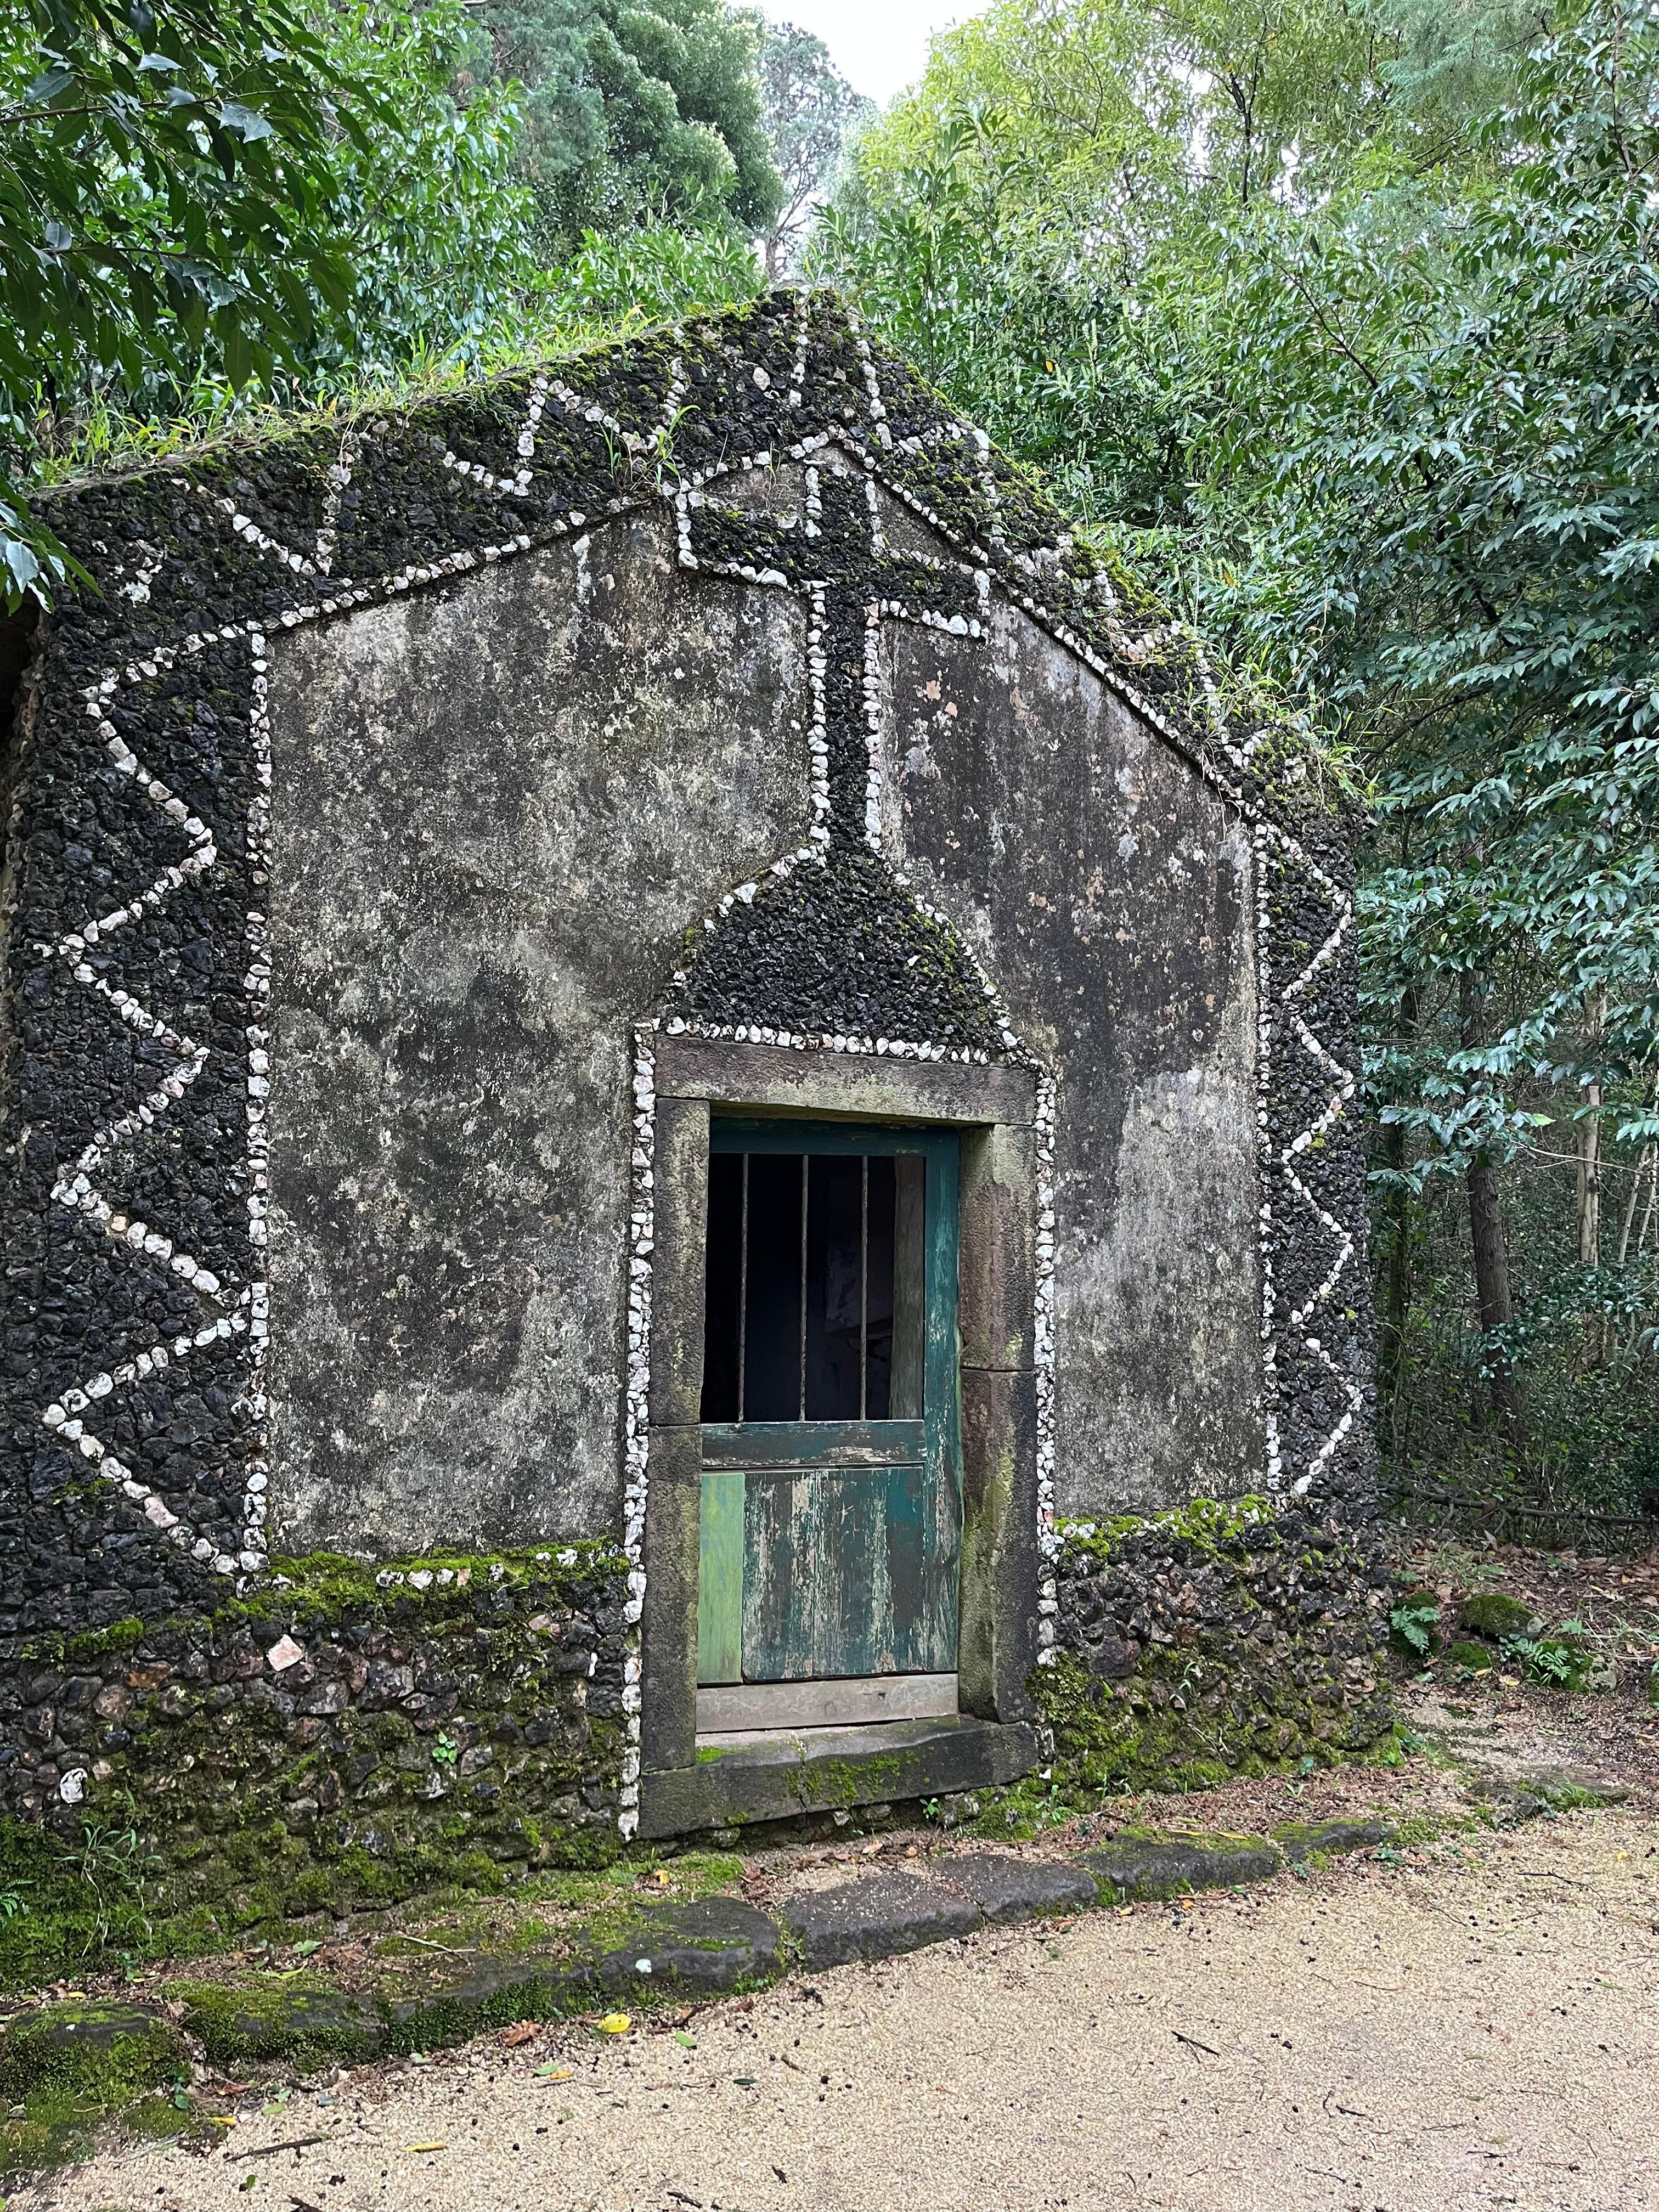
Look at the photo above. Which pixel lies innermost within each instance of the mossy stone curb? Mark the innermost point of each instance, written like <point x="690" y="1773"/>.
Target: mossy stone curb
<point x="1563" y="1790"/>
<point x="1007" y="1889"/>
<point x="304" y="2019"/>
<point x="877" y="1917"/>
<point x="485" y="1990"/>
<point x="1171" y="1866"/>
<point x="105" y="2051"/>
<point x="1301" y="1841"/>
<point x="707" y="1947"/>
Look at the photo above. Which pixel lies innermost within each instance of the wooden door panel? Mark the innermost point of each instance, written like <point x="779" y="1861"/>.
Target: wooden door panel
<point x="844" y="1573"/>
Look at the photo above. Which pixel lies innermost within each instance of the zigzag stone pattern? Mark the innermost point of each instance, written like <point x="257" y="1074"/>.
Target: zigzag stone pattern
<point x="131" y="1182"/>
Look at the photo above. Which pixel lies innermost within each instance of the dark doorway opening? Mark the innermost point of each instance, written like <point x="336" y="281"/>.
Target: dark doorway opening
<point x="801" y="1280"/>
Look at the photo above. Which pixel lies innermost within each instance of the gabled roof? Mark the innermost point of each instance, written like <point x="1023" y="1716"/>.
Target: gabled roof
<point x="311" y="521"/>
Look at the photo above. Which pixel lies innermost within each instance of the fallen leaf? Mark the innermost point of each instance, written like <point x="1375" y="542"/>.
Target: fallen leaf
<point x="616" y="2023"/>
<point x="520" y="2032"/>
<point x="686" y="2042"/>
<point x="555" y="2073"/>
<point x="427" y="2146"/>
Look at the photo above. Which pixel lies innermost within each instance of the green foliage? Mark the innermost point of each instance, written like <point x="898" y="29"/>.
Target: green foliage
<point x="208" y="221"/>
<point x="1366" y="388"/>
<point x="159" y="191"/>
<point x="635" y="113"/>
<point x="1494" y="1614"/>
<point x="1560" y="1662"/>
<point x="112" y="1865"/>
<point x="239" y="197"/>
<point x="1412" y="1629"/>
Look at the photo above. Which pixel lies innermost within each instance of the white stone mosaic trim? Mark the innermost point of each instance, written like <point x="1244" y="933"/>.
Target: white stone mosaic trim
<point x="1344" y="1085"/>
<point x="339" y="475"/>
<point x="320" y="559"/>
<point x="74" y="1187"/>
<point x="516" y="485"/>
<point x="872" y="385"/>
<point x="636" y="1410"/>
<point x="658" y="442"/>
<point x="257" y="983"/>
<point x="63" y="1418"/>
<point x="797" y="392"/>
<point x="818" y="735"/>
<point x="1050" y="1541"/>
<point x="1275" y="1457"/>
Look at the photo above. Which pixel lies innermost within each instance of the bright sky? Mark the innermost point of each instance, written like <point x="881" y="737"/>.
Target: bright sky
<point x="879" y="46"/>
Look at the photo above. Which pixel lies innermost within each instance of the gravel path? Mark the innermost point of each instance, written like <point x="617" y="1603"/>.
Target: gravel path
<point x="1472" y="2027"/>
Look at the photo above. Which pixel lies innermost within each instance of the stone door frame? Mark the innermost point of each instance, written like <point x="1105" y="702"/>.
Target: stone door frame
<point x="994" y="1110"/>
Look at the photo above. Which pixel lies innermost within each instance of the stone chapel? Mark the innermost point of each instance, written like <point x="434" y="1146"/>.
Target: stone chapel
<point x="679" y="1104"/>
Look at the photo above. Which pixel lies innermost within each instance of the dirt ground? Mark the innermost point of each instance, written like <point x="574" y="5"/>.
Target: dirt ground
<point x="1468" y="2024"/>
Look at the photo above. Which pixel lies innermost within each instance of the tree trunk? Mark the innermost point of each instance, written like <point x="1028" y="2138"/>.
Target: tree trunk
<point x="1643" y="1168"/>
<point x="1493" y="1298"/>
<point x="1588" y="1208"/>
<point x="1397" y="1282"/>
<point x="1492" y="1287"/>
<point x="1589" y="1154"/>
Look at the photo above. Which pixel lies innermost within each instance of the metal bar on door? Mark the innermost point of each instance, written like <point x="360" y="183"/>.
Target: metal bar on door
<point x="805" y="1185"/>
<point x="864" y="1293"/>
<point x="743" y="1291"/>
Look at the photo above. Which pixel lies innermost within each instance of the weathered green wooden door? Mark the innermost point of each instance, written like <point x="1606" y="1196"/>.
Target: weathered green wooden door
<point x="831" y="1488"/>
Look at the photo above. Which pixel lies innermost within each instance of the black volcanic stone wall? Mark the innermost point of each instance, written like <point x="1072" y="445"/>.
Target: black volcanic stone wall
<point x="831" y="949"/>
<point x="1200" y="1644"/>
<point x="344" y="1738"/>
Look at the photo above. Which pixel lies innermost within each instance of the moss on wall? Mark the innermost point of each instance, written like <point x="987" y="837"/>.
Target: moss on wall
<point x="344" y="1737"/>
<point x="1216" y="1639"/>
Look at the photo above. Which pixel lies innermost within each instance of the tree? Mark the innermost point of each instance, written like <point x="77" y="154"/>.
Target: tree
<point x="633" y="112"/>
<point x="1435" y="460"/>
<point x="188" y="191"/>
<point x="810" y="111"/>
<point x="158" y="186"/>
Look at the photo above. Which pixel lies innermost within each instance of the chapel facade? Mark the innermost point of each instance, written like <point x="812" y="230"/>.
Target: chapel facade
<point x="656" y="1040"/>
